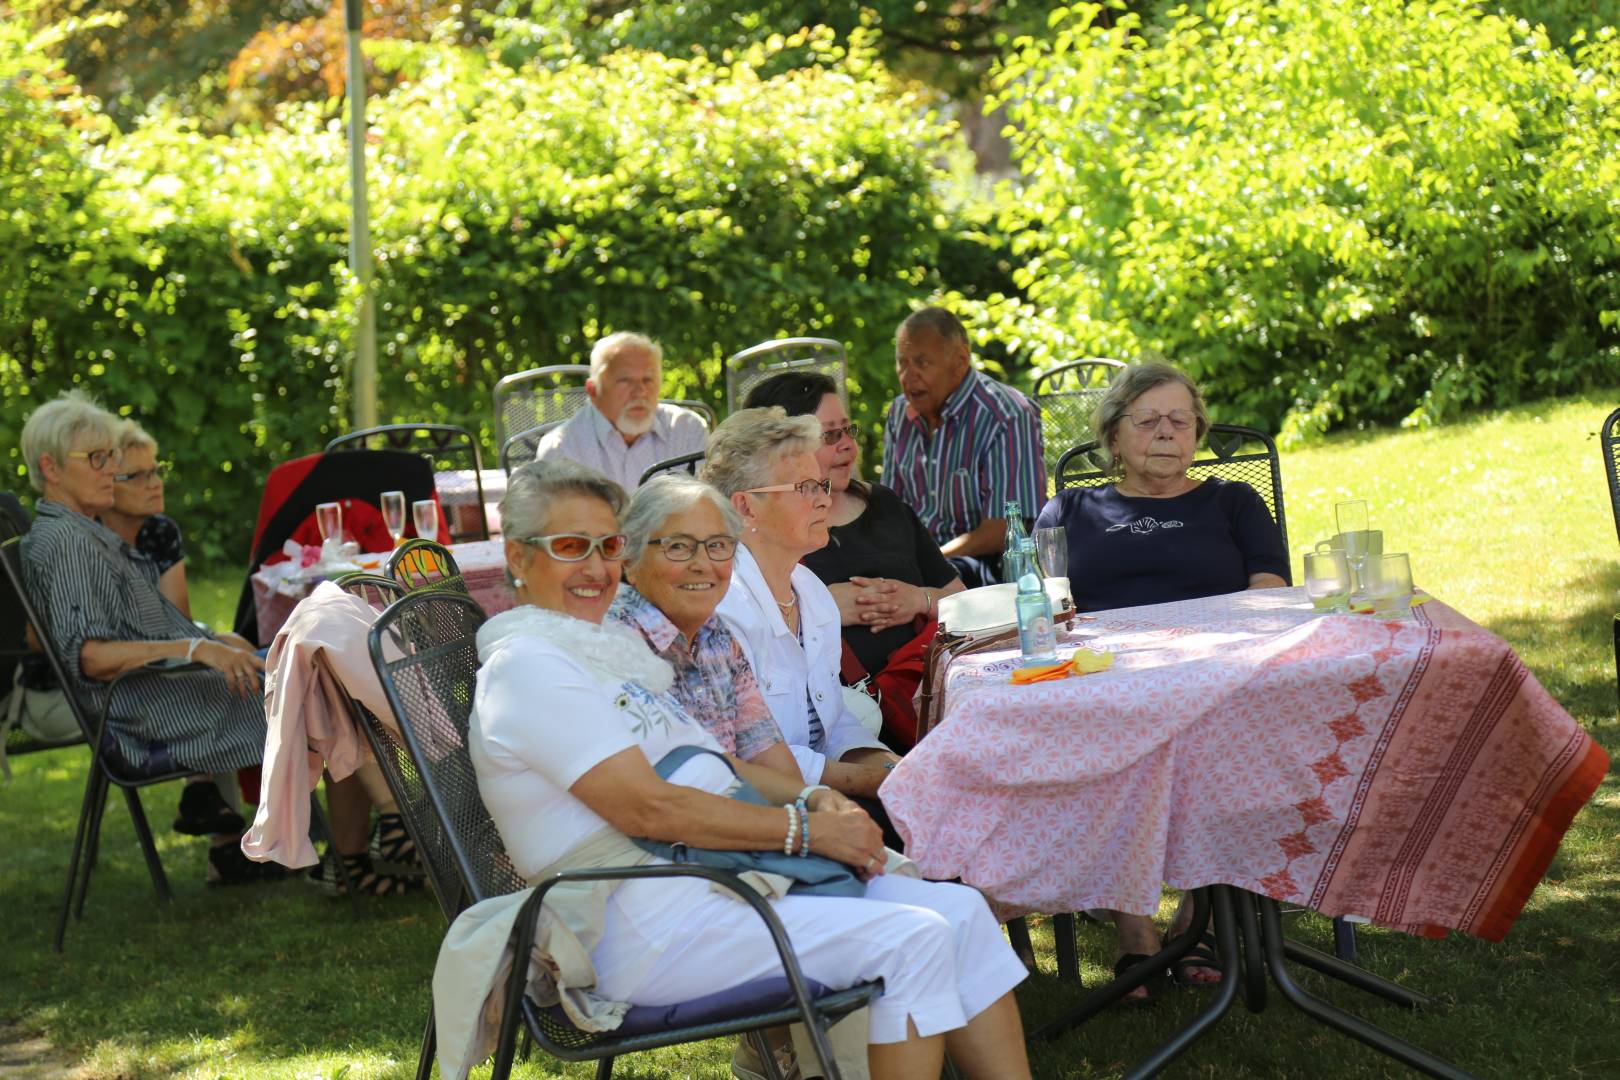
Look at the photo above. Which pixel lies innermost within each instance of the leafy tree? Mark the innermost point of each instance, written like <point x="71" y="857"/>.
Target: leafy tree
<point x="1328" y="210"/>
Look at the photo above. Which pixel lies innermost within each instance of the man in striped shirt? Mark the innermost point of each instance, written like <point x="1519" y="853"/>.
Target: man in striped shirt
<point x="957" y="445"/>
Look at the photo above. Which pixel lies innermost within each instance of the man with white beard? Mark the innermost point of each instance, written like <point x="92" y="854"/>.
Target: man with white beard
<point x="627" y="430"/>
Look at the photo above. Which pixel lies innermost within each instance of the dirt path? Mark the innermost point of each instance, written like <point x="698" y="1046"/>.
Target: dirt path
<point x="30" y="1057"/>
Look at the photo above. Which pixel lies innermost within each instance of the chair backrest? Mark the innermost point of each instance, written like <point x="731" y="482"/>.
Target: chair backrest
<point x="14" y="521"/>
<point x="424" y="564"/>
<point x="447" y="448"/>
<point x="1232" y="453"/>
<point x="769" y="358"/>
<point x="1610" y="436"/>
<point x="704" y="411"/>
<point x="1068" y="396"/>
<point x="374" y="589"/>
<point x="687" y="463"/>
<point x="526" y="399"/>
<point x="426" y="655"/>
<point x="520" y="449"/>
<point x="17" y="614"/>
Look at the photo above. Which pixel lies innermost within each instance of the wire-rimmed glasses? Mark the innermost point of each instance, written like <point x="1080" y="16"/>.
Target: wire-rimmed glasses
<point x="680" y="547"/>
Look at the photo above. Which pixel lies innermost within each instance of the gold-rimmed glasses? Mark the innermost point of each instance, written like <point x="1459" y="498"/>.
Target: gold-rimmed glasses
<point x="98" y="459"/>
<point x="807" y="488"/>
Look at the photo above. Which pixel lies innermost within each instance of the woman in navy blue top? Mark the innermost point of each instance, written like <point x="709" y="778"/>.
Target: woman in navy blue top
<point x="1157" y="535"/>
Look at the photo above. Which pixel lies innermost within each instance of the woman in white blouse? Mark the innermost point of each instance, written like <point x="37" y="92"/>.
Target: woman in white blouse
<point x="570" y="716"/>
<point x="787" y="621"/>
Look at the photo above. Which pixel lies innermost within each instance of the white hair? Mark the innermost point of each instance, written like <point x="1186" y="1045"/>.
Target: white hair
<point x="610" y="346"/>
<point x="665" y="495"/>
<point x="131" y="436"/>
<point x="56" y="425"/>
<point x="749" y="442"/>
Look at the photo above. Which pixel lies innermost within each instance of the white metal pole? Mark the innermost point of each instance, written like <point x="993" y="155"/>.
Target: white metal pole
<point x="363" y="384"/>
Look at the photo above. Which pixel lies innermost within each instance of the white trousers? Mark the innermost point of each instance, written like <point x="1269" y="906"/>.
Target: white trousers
<point x="940" y="953"/>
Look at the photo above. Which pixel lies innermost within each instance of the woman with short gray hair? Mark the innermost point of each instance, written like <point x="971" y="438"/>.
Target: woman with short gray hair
<point x="1157" y="535"/>
<point x="106" y="615"/>
<point x="764" y="461"/>
<point x="137" y="515"/>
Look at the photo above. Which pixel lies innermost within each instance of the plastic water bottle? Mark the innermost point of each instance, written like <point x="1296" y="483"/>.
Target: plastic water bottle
<point x="1013" y="552"/>
<point x="1037" y="637"/>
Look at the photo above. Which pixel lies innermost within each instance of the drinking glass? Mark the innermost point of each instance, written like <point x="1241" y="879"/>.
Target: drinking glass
<point x="329" y="519"/>
<point x="1391" y="588"/>
<point x="1327" y="579"/>
<point x="425" y="515"/>
<point x="393" y="512"/>
<point x="1052" y="551"/>
<point x="1351" y="517"/>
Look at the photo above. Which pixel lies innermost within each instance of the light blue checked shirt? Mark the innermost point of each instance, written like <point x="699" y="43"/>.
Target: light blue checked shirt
<point x="986" y="450"/>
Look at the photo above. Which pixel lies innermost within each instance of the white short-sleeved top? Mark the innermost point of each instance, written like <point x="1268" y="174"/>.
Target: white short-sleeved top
<point x="540" y="721"/>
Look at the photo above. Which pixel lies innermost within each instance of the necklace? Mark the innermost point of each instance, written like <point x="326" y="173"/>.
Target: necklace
<point x="787" y="605"/>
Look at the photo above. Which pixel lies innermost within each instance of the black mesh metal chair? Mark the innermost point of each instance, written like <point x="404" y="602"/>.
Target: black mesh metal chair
<point x="108" y="768"/>
<point x="447" y="448"/>
<point x="704" y="410"/>
<point x="769" y="358"/>
<point x="419" y="564"/>
<point x="1233" y="453"/>
<point x="686" y="463"/>
<point x="374" y="589"/>
<point x="520" y="449"/>
<point x="1068" y="396"/>
<point x="14" y="650"/>
<point x="425" y="653"/>
<point x="1610" y="438"/>
<point x="527" y="399"/>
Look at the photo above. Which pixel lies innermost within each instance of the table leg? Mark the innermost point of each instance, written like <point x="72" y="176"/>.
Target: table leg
<point x="1359" y="977"/>
<point x="1226" y="940"/>
<point x="1253" y="960"/>
<point x="1336" y="1018"/>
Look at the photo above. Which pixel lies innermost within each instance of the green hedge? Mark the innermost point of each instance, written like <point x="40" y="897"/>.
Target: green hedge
<point x="199" y="282"/>
<point x="1329" y="210"/>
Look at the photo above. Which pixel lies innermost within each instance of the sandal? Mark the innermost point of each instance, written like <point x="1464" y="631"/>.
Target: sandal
<point x="1201" y="957"/>
<point x="392" y="848"/>
<point x="228" y="866"/>
<point x="363" y="875"/>
<point x="1154" y="986"/>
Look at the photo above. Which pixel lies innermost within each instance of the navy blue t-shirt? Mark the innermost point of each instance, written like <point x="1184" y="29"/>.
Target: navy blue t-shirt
<point x="1126" y="550"/>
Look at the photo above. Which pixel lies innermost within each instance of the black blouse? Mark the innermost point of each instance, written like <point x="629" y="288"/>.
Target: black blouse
<point x="887" y="540"/>
<point x="159" y="540"/>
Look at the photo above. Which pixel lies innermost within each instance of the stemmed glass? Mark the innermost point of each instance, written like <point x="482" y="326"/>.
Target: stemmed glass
<point x="329" y="519"/>
<point x="1351" y="518"/>
<point x="425" y="515"/>
<point x="393" y="512"/>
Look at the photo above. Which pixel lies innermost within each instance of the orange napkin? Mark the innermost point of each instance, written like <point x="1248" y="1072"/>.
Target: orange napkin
<point x="1083" y="662"/>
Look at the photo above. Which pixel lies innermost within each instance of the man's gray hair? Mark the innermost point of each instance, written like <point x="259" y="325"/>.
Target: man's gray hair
<point x="610" y="346"/>
<point x="940" y="320"/>
<point x="660" y="498"/>
<point x="1132" y="383"/>
<point x="55" y="426"/>
<point x="131" y="436"/>
<point x="742" y="450"/>
<point x="533" y="489"/>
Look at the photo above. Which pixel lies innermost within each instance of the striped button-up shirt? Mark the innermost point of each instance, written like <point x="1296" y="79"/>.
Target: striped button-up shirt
<point x="986" y="450"/>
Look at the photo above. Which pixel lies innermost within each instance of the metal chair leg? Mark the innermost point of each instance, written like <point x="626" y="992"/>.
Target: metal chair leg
<point x="1344" y="941"/>
<point x="92" y="842"/>
<point x="1068" y="957"/>
<point x="1226" y="939"/>
<point x="1412" y="1056"/>
<point x="767" y="1053"/>
<point x="91" y="785"/>
<point x="143" y="833"/>
<point x="322" y="829"/>
<point x="1018" y="938"/>
<point x="430" y="1046"/>
<point x="604" y="1069"/>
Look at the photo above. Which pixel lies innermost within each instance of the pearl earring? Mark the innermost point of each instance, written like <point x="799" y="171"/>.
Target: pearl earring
<point x="517" y="583"/>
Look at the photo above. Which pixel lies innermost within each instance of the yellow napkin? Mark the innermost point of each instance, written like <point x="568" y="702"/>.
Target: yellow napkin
<point x="1365" y="608"/>
<point x="1083" y="662"/>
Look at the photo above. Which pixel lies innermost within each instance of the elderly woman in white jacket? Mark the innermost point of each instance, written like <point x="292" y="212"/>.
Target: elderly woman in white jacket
<point x="764" y="461"/>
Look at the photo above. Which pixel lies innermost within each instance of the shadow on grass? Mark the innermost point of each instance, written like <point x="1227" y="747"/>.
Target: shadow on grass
<point x="1553" y="648"/>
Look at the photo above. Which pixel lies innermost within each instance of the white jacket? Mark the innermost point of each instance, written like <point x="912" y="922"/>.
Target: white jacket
<point x="786" y="669"/>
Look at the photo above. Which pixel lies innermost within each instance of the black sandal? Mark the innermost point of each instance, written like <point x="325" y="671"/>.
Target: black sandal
<point x="392" y="847"/>
<point x="363" y="875"/>
<point x="1202" y="956"/>
<point x="1155" y="985"/>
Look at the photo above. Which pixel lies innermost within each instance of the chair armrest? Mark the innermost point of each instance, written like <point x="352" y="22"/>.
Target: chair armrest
<point x="162" y="668"/>
<point x="523" y="933"/>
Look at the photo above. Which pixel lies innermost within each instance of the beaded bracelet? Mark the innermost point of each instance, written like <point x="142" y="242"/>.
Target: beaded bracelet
<point x="792" y="831"/>
<point x="804" y="825"/>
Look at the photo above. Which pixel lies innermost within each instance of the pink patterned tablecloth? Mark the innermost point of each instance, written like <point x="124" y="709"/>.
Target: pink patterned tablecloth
<point x="482" y="563"/>
<point x="1413" y="772"/>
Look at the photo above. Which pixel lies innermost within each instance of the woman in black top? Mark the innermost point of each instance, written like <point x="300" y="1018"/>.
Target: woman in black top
<point x="880" y="564"/>
<point x="137" y="513"/>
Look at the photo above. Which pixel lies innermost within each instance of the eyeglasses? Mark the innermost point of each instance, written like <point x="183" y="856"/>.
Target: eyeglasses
<point x="682" y="548"/>
<point x="834" y="436"/>
<point x="98" y="459"/>
<point x="1148" y="419"/>
<point x="159" y="473"/>
<point x="577" y="547"/>
<point x="807" y="488"/>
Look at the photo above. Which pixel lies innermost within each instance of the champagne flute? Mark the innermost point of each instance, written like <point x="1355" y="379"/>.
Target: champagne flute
<point x="425" y="515"/>
<point x="1351" y="517"/>
<point x="393" y="511"/>
<point x="329" y="519"/>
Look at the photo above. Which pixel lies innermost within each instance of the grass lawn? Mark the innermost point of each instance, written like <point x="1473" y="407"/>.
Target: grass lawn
<point x="1507" y="519"/>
